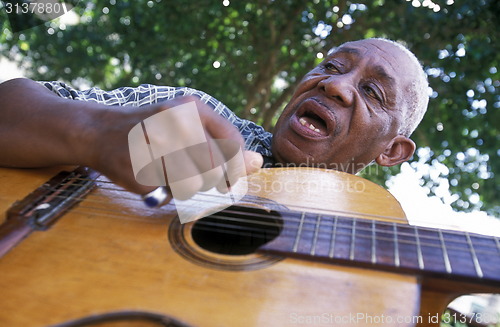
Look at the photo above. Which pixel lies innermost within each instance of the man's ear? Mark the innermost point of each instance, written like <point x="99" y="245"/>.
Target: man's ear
<point x="399" y="150"/>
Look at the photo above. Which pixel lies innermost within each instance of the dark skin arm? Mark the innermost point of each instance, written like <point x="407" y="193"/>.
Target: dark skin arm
<point x="39" y="129"/>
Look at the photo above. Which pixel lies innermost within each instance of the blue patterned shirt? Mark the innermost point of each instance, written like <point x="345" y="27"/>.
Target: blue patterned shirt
<point x="256" y="138"/>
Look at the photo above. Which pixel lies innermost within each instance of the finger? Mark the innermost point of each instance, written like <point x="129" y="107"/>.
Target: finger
<point x="184" y="177"/>
<point x="253" y="161"/>
<point x="243" y="164"/>
<point x="186" y="188"/>
<point x="209" y="160"/>
<point x="233" y="166"/>
<point x="212" y="178"/>
<point x="218" y="127"/>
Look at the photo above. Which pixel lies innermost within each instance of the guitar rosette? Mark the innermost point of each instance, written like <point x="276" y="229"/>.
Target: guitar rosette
<point x="163" y="153"/>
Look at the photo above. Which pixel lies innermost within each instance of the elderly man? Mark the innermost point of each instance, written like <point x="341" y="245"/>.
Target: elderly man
<point x="358" y="106"/>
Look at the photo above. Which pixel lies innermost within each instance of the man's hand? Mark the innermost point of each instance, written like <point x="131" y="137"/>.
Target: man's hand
<point x="190" y="168"/>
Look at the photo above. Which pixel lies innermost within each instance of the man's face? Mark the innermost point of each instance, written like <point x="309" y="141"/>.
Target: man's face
<point x="346" y="111"/>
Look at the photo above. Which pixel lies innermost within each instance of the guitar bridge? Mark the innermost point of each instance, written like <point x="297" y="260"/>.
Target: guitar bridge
<point x="45" y="205"/>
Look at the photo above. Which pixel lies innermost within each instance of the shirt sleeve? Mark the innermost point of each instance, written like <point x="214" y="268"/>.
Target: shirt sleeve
<point x="256" y="138"/>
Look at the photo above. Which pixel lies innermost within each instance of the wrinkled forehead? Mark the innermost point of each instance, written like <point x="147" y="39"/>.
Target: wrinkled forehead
<point x="379" y="51"/>
<point x="383" y="58"/>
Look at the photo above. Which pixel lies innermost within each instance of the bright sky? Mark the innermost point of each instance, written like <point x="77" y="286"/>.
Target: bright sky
<point x="431" y="211"/>
<point x="8" y="70"/>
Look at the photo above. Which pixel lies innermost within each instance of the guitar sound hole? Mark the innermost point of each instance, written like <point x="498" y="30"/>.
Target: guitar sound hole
<point x="237" y="230"/>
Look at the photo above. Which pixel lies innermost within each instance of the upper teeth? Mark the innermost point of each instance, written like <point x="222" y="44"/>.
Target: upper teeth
<point x="311" y="126"/>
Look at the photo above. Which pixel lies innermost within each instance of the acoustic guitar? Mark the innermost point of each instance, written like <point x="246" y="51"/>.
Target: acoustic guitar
<point x="303" y="247"/>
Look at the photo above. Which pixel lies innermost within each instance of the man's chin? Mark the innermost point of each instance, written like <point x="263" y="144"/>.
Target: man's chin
<point x="285" y="150"/>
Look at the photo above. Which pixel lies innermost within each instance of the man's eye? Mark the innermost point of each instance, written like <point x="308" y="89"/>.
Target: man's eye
<point x="372" y="93"/>
<point x="331" y="67"/>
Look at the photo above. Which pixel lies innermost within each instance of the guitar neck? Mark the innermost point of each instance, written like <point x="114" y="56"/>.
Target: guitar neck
<point x="433" y="253"/>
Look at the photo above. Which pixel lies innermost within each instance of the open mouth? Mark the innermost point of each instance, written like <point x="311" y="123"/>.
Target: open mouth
<point x="313" y="122"/>
<point x="314" y="119"/>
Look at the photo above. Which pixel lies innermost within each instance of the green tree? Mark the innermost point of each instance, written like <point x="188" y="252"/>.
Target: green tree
<point x="251" y="55"/>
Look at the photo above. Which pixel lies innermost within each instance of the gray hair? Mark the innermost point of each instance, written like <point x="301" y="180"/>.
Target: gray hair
<point x="417" y="100"/>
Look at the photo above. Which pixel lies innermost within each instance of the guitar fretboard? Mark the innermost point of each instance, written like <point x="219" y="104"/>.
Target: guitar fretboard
<point x="389" y="246"/>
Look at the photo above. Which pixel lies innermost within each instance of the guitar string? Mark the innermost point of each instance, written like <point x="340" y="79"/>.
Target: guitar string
<point x="121" y="190"/>
<point x="449" y="245"/>
<point x="211" y="199"/>
<point x="297" y="207"/>
<point x="309" y="208"/>
<point x="341" y="231"/>
<point x="135" y="198"/>
<point x="340" y="212"/>
<point x="89" y="198"/>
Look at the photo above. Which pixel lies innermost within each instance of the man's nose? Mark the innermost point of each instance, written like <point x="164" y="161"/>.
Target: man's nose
<point x="339" y="88"/>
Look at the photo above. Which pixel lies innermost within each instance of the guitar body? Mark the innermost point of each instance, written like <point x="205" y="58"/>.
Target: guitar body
<point x="110" y="253"/>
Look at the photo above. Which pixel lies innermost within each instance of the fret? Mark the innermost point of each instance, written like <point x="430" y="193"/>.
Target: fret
<point x="343" y="239"/>
<point x="315" y="238"/>
<point x="479" y="272"/>
<point x="308" y="234"/>
<point x="299" y="232"/>
<point x="445" y="253"/>
<point x="360" y="240"/>
<point x="488" y="256"/>
<point x="432" y="249"/>
<point x="396" y="247"/>
<point x="486" y="249"/>
<point x="334" y="233"/>
<point x="353" y="239"/>
<point x="322" y="235"/>
<point x="384" y="243"/>
<point x="407" y="246"/>
<point x="374" y="237"/>
<point x="419" y="250"/>
<point x="459" y="253"/>
<point x="485" y="244"/>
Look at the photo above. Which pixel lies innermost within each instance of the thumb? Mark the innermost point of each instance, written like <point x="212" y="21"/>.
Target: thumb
<point x="253" y="161"/>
